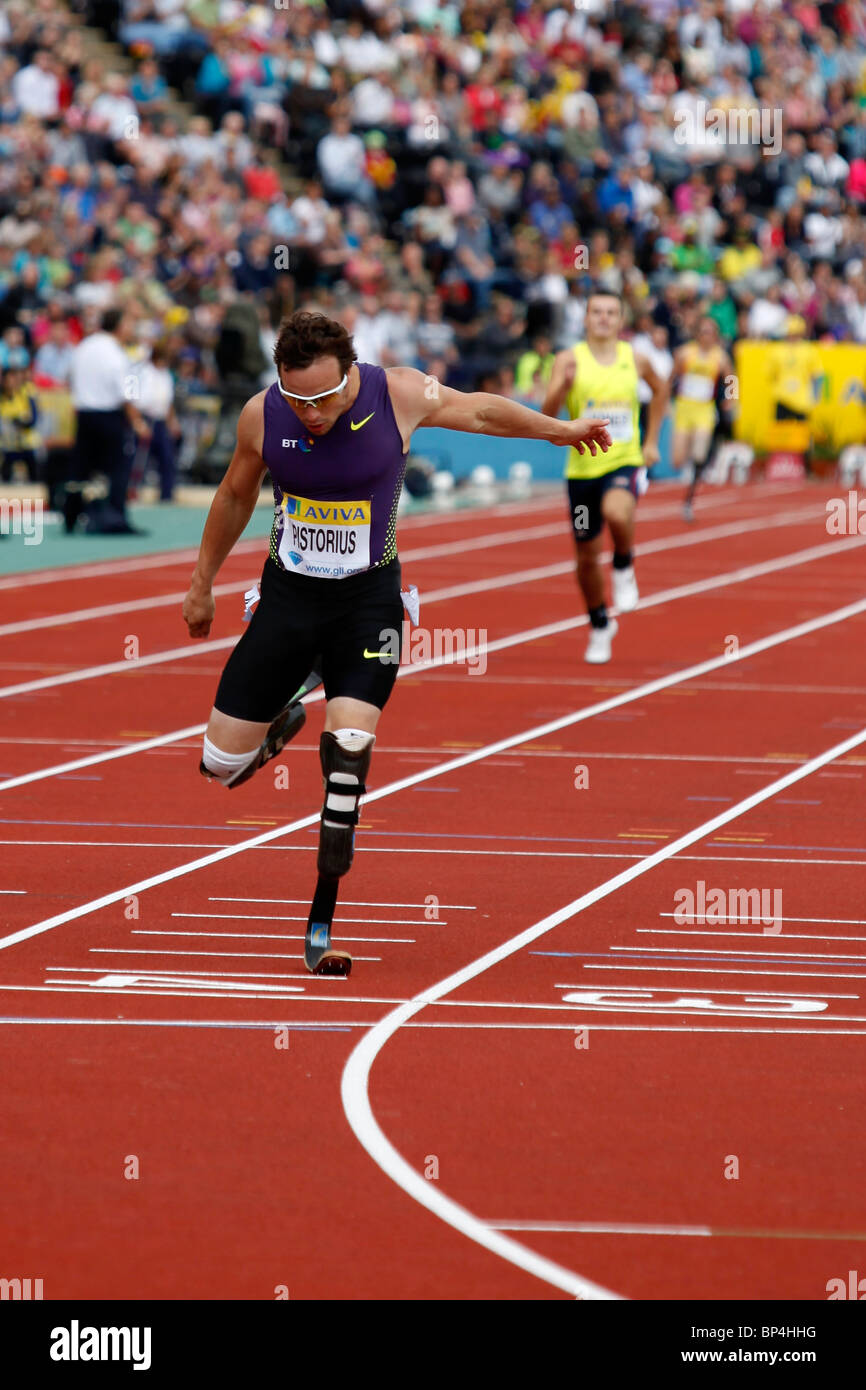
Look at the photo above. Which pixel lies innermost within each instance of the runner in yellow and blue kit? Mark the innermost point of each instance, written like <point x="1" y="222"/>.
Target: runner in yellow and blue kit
<point x="698" y="365"/>
<point x="597" y="379"/>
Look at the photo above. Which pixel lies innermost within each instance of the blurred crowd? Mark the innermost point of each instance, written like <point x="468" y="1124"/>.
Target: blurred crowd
<point x="460" y="175"/>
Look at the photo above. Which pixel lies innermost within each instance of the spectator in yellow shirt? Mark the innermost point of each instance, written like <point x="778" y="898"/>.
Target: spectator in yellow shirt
<point x="739" y="259"/>
<point x="18" y="411"/>
<point x="532" y="372"/>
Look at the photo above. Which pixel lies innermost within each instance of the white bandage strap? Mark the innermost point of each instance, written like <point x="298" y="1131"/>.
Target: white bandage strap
<point x="341" y="803"/>
<point x="354" y="741"/>
<point x="222" y="765"/>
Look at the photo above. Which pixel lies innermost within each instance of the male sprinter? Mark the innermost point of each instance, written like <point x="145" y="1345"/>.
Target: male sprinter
<point x="698" y="367"/>
<point x="598" y="379"/>
<point x="333" y="433"/>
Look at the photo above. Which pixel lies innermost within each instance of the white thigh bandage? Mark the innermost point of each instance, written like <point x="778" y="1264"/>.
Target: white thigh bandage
<point x="222" y="765"/>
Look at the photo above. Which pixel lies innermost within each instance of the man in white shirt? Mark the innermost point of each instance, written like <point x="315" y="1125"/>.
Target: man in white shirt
<point x="767" y="315"/>
<point x="114" y="111"/>
<point x="311" y="211"/>
<point x="101" y="383"/>
<point x="36" y="89"/>
<point x="341" y="158"/>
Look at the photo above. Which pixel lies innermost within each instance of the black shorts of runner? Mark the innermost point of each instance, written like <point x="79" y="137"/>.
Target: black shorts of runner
<point x="299" y="620"/>
<point x="585" y="494"/>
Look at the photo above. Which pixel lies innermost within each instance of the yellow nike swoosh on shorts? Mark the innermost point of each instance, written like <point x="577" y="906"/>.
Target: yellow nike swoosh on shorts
<point x="362" y="422"/>
<point x="372" y="654"/>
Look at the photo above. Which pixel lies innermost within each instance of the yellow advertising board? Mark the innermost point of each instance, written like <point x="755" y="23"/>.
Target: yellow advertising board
<point x="795" y="395"/>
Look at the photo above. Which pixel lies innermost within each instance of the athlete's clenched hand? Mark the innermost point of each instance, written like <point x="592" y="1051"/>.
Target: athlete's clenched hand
<point x="588" y="436"/>
<point x="199" y="608"/>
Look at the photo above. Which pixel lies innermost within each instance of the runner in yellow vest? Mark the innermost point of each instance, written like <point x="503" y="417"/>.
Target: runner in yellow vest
<point x="697" y="368"/>
<point x="598" y="378"/>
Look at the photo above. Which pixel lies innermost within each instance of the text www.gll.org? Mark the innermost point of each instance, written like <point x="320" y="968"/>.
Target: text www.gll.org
<point x="770" y="1357"/>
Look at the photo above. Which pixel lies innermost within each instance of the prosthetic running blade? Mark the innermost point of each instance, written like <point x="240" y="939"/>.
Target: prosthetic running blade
<point x="320" y="957"/>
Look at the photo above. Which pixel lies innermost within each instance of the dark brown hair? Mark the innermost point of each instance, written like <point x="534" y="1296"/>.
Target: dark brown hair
<point x="599" y="292"/>
<point x="304" y="337"/>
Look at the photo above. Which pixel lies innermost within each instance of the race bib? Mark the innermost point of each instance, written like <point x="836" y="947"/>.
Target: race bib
<point x="621" y="425"/>
<point x="325" y="539"/>
<point x="695" y="387"/>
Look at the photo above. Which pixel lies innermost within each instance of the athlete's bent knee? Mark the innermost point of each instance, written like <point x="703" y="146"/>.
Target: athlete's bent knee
<point x="220" y="766"/>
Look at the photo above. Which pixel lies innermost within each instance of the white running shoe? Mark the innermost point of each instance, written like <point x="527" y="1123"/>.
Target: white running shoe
<point x="599" y="645"/>
<point x="625" y="594"/>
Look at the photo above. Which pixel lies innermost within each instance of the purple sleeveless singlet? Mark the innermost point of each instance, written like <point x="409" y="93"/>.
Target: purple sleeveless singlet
<point x="335" y="495"/>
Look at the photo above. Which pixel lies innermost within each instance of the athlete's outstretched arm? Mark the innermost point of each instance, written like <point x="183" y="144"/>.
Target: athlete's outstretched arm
<point x="657" y="408"/>
<point x="229" y="513"/>
<point x="424" y="401"/>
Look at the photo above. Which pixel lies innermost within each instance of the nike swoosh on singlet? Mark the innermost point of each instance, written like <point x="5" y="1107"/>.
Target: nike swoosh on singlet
<point x="372" y="654"/>
<point x="362" y="422"/>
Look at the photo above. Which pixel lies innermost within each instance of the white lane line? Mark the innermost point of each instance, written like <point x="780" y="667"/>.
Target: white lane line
<point x="354" y="1086"/>
<point x="164" y="559"/>
<point x="111" y="610"/>
<point x="625" y="1228"/>
<point x="236" y="975"/>
<point x="345" y="1025"/>
<point x="832" y="921"/>
<point x="762" y="956"/>
<point x="529" y="736"/>
<point x="140" y="746"/>
<point x="604" y="1228"/>
<point x="733" y="970"/>
<point x="111" y="668"/>
<point x="17" y="892"/>
<point x="423" y="849"/>
<point x="336" y="1025"/>
<point x="274" y="936"/>
<point x="768" y="993"/>
<point x="500" y="644"/>
<point x="350" y="902"/>
<point x="93" y="992"/>
<point x="759" y="935"/>
<point x="287" y="917"/>
<point x="228" y="955"/>
<point x="129" y="977"/>
<point x="191" y="988"/>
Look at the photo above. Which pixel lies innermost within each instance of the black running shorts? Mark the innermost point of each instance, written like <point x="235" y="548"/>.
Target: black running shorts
<point x="300" y="620"/>
<point x="585" y="494"/>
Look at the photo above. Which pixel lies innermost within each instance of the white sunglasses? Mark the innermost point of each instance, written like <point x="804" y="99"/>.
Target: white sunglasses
<point x="321" y="399"/>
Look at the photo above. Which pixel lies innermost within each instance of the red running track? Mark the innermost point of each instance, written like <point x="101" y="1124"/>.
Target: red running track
<point x="555" y="1114"/>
